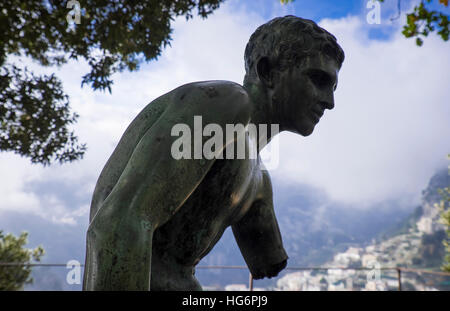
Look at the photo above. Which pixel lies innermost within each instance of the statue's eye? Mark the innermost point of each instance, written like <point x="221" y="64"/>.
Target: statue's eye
<point x="319" y="78"/>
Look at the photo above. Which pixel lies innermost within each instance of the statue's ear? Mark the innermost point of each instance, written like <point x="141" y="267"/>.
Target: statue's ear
<point x="264" y="71"/>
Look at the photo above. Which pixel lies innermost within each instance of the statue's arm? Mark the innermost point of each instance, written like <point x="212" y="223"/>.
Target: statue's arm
<point x="151" y="188"/>
<point x="258" y="236"/>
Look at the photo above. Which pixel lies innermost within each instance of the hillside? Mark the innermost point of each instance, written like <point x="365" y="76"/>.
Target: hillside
<point x="415" y="242"/>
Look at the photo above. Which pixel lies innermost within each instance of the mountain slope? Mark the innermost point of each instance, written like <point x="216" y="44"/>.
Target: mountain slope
<point x="415" y="242"/>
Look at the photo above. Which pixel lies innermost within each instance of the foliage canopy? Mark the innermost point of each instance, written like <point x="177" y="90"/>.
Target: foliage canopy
<point x="111" y="36"/>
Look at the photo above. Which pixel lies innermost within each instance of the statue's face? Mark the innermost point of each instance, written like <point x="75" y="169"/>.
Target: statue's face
<point x="303" y="93"/>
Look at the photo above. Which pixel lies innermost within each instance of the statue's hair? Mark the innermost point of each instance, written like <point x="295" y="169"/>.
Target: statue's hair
<point x="286" y="41"/>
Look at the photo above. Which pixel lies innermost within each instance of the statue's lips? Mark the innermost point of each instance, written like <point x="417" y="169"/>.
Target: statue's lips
<point x="316" y="115"/>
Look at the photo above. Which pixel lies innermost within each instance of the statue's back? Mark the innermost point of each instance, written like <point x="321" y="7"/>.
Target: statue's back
<point x="119" y="158"/>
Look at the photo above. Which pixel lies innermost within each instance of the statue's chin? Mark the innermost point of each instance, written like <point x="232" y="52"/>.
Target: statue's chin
<point x="302" y="126"/>
<point x="307" y="133"/>
<point x="304" y="130"/>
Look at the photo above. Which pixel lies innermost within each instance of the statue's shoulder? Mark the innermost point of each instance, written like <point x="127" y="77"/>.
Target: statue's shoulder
<point x="217" y="97"/>
<point x="213" y="88"/>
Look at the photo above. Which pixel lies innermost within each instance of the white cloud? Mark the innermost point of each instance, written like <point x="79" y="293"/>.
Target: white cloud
<point x="14" y="175"/>
<point x="18" y="197"/>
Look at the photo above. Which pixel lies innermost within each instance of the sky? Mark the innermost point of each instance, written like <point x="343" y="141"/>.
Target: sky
<point x="386" y="136"/>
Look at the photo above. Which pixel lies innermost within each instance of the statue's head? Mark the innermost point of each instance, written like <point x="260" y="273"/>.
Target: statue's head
<point x="294" y="63"/>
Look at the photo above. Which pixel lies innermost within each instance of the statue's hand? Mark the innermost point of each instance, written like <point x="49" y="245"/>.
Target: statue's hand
<point x="268" y="271"/>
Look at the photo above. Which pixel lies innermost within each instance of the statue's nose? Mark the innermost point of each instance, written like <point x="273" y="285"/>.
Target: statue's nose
<point x="329" y="104"/>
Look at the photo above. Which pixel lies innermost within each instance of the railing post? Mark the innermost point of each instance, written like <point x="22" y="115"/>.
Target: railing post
<point x="399" y="275"/>
<point x="250" y="282"/>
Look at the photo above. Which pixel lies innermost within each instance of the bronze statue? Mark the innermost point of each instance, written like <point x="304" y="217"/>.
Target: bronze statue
<point x="154" y="217"/>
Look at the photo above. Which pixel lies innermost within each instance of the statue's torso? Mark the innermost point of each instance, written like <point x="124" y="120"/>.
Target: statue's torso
<point x="223" y="196"/>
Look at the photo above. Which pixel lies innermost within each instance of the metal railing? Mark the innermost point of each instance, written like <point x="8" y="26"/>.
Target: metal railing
<point x="399" y="270"/>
